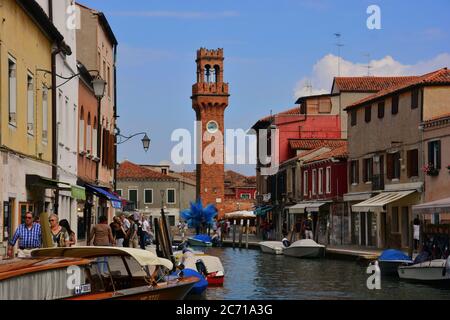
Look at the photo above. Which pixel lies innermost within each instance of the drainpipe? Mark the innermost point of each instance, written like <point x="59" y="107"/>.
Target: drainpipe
<point x="115" y="119"/>
<point x="54" y="131"/>
<point x="50" y="10"/>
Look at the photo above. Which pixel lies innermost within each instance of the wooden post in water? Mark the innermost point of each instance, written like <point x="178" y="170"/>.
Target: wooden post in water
<point x="241" y="229"/>
<point x="246" y="233"/>
<point x="234" y="231"/>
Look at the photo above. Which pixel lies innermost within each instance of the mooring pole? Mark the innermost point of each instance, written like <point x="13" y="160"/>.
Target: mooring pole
<point x="246" y="233"/>
<point x="234" y="232"/>
<point x="241" y="228"/>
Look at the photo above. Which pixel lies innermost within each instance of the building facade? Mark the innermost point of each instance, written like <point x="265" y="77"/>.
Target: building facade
<point x="149" y="188"/>
<point x="386" y="157"/>
<point x="26" y="126"/>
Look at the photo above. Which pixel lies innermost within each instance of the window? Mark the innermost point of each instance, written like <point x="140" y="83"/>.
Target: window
<point x="353" y="117"/>
<point x="393" y="165"/>
<point x="381" y="110"/>
<point x="245" y="196"/>
<point x="354" y="171"/>
<point x="30" y="104"/>
<point x="320" y="180"/>
<point x="413" y="163"/>
<point x="171" y="196"/>
<point x="119" y="192"/>
<point x="66" y="125"/>
<point x="314" y="181"/>
<point x="368" y="113"/>
<point x="148" y="196"/>
<point x="395" y="224"/>
<point x="171" y="220"/>
<point x="367" y="170"/>
<point x="415" y="98"/>
<point x="305" y="183"/>
<point x="293" y="180"/>
<point x="434" y="154"/>
<point x="89" y="135"/>
<point x="164" y="171"/>
<point x="94" y="138"/>
<point x="133" y="196"/>
<point x="44" y="113"/>
<point x="81" y="131"/>
<point x="328" y="179"/>
<point x="12" y="91"/>
<point x="109" y="82"/>
<point x="394" y="109"/>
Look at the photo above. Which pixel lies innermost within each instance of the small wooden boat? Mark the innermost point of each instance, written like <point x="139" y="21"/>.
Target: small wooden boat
<point x="200" y="241"/>
<point x="305" y="248"/>
<point x="215" y="272"/>
<point x="272" y="247"/>
<point x="437" y="270"/>
<point x="94" y="273"/>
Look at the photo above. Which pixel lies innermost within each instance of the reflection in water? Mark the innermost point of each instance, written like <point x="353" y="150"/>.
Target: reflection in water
<point x="252" y="275"/>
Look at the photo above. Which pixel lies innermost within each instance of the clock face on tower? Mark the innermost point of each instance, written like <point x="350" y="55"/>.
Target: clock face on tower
<point x="212" y="126"/>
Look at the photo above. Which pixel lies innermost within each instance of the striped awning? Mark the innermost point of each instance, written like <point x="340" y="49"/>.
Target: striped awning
<point x="378" y="202"/>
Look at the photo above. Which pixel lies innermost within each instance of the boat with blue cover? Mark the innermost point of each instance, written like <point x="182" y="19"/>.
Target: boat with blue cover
<point x="391" y="259"/>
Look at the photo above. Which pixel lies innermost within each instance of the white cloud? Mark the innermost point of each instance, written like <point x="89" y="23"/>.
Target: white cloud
<point x="177" y="14"/>
<point x="326" y="69"/>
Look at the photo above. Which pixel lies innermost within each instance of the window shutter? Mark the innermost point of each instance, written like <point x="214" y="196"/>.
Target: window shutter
<point x="409" y="163"/>
<point x="365" y="177"/>
<point x="357" y="171"/>
<point x="438" y="154"/>
<point x="415" y="162"/>
<point x="430" y="153"/>
<point x="389" y="165"/>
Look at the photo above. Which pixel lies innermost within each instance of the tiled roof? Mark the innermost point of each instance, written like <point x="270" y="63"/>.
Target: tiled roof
<point x="235" y="180"/>
<point x="129" y="170"/>
<point x="369" y="84"/>
<point x="309" y="144"/>
<point x="338" y="152"/>
<point x="441" y="76"/>
<point x="292" y="111"/>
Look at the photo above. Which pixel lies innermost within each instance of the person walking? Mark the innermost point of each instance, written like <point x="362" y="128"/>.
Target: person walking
<point x="416" y="235"/>
<point x="126" y="227"/>
<point x="72" y="236"/>
<point x="133" y="241"/>
<point x="60" y="236"/>
<point x="144" y="232"/>
<point x="117" y="231"/>
<point x="29" y="235"/>
<point x="101" y="234"/>
<point x="298" y="229"/>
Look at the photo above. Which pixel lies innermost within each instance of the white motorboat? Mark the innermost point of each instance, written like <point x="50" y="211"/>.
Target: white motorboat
<point x="272" y="247"/>
<point x="305" y="248"/>
<point x="433" y="270"/>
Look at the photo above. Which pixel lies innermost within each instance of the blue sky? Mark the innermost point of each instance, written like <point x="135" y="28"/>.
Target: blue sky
<point x="272" y="48"/>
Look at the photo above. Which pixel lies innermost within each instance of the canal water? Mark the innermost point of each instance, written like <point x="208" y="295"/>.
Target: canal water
<point x="253" y="275"/>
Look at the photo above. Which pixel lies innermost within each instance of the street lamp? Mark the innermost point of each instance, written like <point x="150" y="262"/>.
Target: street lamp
<point x="99" y="86"/>
<point x="146" y="142"/>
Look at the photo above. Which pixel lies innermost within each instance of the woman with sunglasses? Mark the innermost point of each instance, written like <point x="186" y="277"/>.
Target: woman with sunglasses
<point x="60" y="236"/>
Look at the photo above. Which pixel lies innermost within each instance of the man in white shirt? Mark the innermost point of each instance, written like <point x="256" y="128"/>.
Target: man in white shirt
<point x="126" y="226"/>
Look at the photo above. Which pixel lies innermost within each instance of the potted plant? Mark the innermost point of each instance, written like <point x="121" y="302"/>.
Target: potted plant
<point x="430" y="170"/>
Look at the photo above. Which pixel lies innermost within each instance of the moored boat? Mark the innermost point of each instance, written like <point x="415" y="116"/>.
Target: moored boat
<point x="212" y="267"/>
<point x="391" y="259"/>
<point x="200" y="240"/>
<point x="272" y="247"/>
<point x="101" y="273"/>
<point x="434" y="270"/>
<point x="305" y="248"/>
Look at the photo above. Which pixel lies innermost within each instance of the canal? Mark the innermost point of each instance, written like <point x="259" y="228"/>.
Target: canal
<point x="252" y="275"/>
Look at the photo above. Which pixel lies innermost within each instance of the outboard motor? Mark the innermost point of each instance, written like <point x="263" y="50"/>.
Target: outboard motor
<point x="201" y="268"/>
<point x="286" y="242"/>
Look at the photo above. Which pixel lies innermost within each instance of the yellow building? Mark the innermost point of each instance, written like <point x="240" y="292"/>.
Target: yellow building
<point x="27" y="38"/>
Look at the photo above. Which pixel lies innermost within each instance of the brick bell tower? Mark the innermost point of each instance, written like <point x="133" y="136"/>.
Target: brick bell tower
<point x="209" y="100"/>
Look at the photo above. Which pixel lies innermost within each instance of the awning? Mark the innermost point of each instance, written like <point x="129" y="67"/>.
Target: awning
<point x="115" y="201"/>
<point x="261" y="211"/>
<point x="379" y="201"/>
<point x="78" y="193"/>
<point x="315" y="207"/>
<point x="240" y="215"/>
<point x="299" y="207"/>
<point x="34" y="180"/>
<point x="438" y="206"/>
